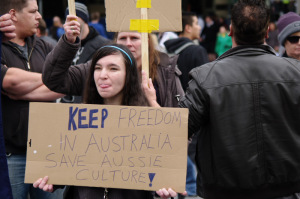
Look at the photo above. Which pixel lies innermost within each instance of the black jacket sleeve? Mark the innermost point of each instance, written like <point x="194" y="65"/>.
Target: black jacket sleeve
<point x="58" y="73"/>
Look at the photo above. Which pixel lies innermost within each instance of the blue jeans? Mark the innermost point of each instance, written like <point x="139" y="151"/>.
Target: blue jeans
<point x="191" y="178"/>
<point x="20" y="190"/>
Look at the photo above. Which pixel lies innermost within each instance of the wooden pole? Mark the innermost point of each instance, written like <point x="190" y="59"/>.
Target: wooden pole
<point x="71" y="5"/>
<point x="145" y="44"/>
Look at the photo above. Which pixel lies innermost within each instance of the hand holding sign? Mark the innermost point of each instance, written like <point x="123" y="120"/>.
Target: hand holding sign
<point x="72" y="28"/>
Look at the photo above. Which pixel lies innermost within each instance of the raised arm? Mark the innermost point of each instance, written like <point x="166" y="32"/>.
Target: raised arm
<point x="58" y="74"/>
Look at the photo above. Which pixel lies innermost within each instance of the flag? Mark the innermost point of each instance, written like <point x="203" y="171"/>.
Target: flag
<point x="5" y="188"/>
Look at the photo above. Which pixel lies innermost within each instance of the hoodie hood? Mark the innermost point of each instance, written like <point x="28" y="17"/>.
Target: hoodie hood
<point x="173" y="44"/>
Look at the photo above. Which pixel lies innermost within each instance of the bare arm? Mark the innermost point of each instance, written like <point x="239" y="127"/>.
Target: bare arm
<point x="40" y="94"/>
<point x="20" y="82"/>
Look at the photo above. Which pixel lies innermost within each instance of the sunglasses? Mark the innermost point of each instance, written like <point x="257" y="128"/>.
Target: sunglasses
<point x="293" y="39"/>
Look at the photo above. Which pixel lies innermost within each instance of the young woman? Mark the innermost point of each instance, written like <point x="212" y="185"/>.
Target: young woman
<point x="112" y="80"/>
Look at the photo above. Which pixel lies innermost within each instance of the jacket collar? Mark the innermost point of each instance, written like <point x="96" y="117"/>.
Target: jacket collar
<point x="248" y="49"/>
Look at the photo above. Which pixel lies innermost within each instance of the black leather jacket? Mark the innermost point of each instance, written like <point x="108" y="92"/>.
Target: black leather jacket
<point x="246" y="108"/>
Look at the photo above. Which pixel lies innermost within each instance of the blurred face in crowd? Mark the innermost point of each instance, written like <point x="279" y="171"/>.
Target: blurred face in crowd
<point x="133" y="41"/>
<point x="195" y="29"/>
<point x="57" y="21"/>
<point x="292" y="45"/>
<point x="109" y="76"/>
<point x="26" y="20"/>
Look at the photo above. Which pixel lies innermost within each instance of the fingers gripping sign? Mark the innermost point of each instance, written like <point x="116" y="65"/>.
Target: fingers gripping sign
<point x="149" y="90"/>
<point x="72" y="28"/>
<point x="41" y="183"/>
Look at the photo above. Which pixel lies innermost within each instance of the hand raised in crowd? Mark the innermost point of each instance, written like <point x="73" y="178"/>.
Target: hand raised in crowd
<point x="7" y="27"/>
<point x="42" y="184"/>
<point x="72" y="28"/>
<point x="149" y="90"/>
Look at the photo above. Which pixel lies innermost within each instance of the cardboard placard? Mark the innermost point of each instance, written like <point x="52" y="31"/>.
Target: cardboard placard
<point x="120" y="12"/>
<point x="107" y="146"/>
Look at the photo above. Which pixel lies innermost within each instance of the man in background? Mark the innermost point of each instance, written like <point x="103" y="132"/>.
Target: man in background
<point x="95" y="18"/>
<point x="91" y="41"/>
<point x="191" y="55"/>
<point x="43" y="34"/>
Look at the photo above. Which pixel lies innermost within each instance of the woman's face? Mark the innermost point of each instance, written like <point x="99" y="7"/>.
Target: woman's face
<point x="293" y="49"/>
<point x="109" y="76"/>
<point x="133" y="42"/>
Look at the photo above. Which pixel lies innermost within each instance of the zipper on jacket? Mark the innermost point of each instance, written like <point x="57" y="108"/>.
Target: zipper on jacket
<point x="27" y="61"/>
<point x="105" y="196"/>
<point x="28" y="65"/>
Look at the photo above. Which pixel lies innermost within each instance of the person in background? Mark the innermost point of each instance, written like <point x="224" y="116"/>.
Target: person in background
<point x="289" y="34"/>
<point x="191" y="55"/>
<point x="25" y="52"/>
<point x="91" y="41"/>
<point x="95" y="18"/>
<point x="245" y="109"/>
<point x="56" y="29"/>
<point x="162" y="38"/>
<point x="272" y="40"/>
<point x="43" y="34"/>
<point x="223" y="42"/>
<point x="209" y="36"/>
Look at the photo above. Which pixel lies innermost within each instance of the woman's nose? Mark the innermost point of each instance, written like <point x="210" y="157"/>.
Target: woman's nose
<point x="128" y="42"/>
<point x="103" y="74"/>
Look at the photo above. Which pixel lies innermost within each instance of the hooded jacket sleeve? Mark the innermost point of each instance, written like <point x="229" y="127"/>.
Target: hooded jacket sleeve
<point x="59" y="74"/>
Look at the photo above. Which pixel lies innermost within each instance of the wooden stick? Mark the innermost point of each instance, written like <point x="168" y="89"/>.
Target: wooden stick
<point x="71" y="4"/>
<point x="145" y="44"/>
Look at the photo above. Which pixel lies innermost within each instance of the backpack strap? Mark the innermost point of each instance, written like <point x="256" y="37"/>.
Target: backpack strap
<point x="183" y="47"/>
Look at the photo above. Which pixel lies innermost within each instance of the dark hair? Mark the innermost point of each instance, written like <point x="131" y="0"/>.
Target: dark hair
<point x="95" y="16"/>
<point x="187" y="19"/>
<point x="4" y="7"/>
<point x="18" y="5"/>
<point x="132" y="91"/>
<point x="250" y="20"/>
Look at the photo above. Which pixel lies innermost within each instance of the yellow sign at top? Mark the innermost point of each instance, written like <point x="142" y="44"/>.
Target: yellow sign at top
<point x="143" y="4"/>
